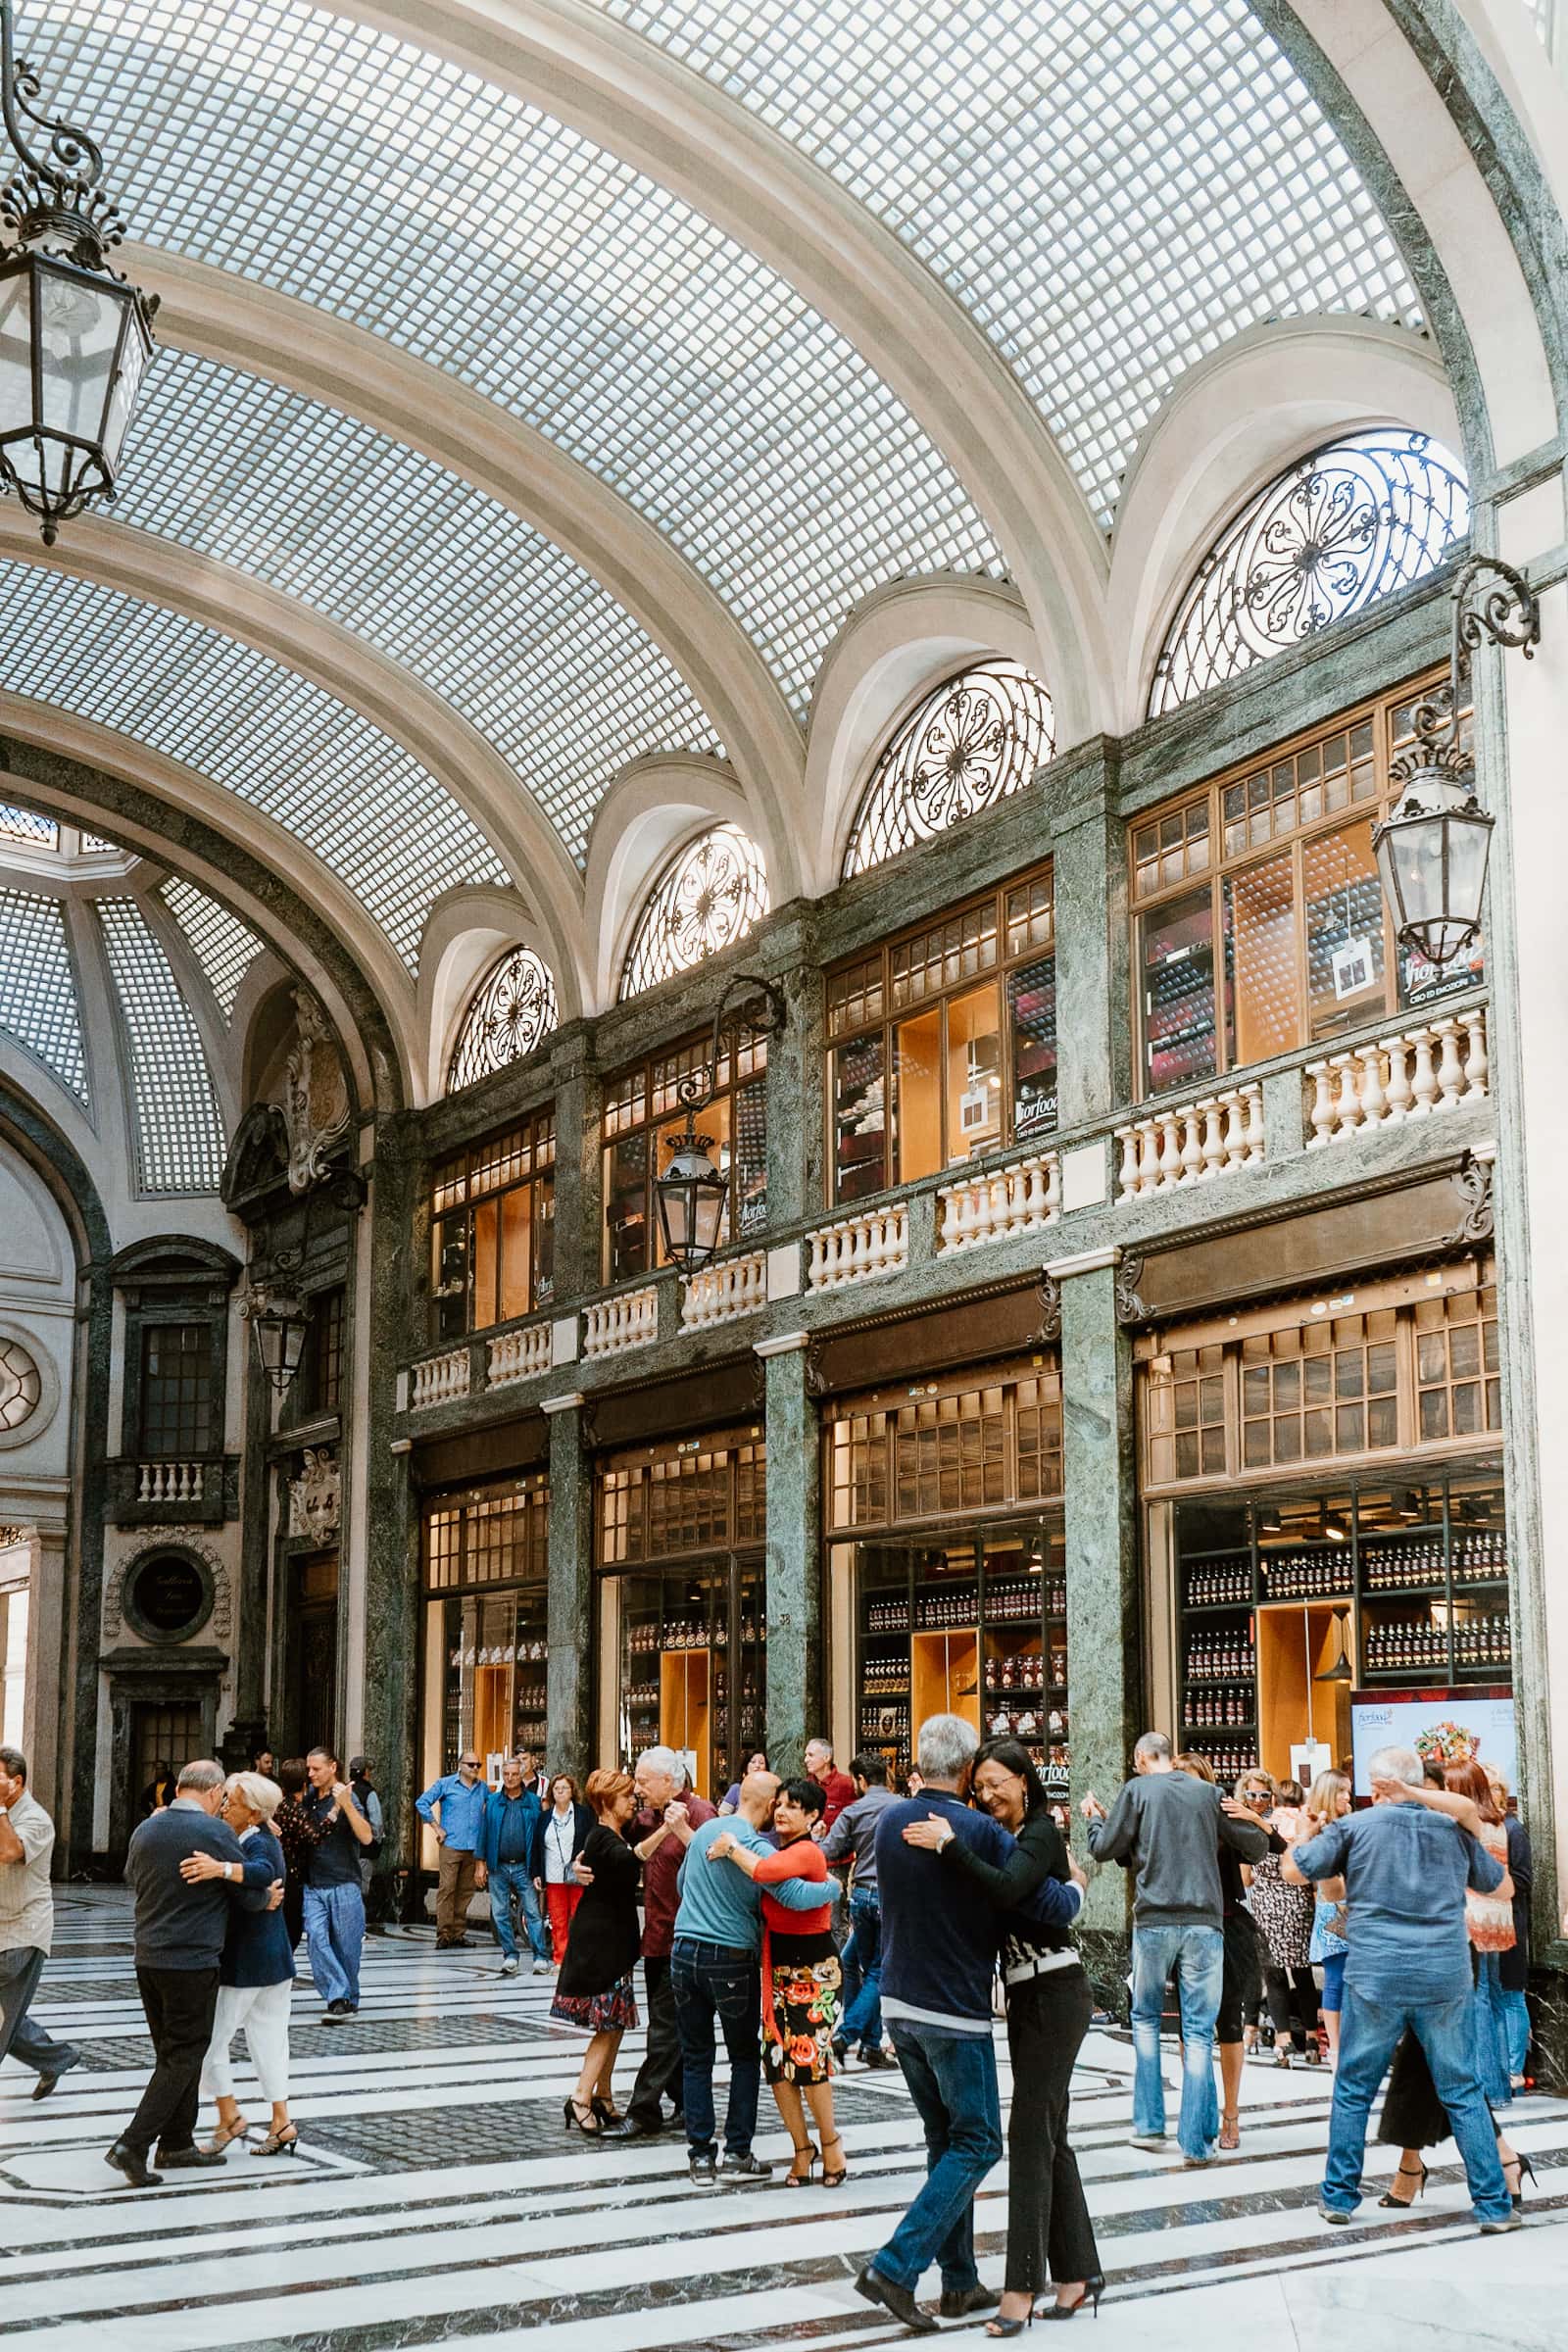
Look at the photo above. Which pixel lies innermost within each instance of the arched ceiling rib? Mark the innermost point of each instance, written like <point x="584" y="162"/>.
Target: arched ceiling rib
<point x="382" y="182"/>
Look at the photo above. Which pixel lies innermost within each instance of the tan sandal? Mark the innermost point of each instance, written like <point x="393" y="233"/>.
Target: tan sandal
<point x="1230" y="2127"/>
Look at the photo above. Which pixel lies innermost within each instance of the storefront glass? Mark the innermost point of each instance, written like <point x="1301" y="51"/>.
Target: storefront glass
<point x="485" y="1573"/>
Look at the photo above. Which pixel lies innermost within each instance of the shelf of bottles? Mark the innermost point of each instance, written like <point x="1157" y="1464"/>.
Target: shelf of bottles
<point x="1408" y="1581"/>
<point x="691" y="1672"/>
<point x="971" y="1626"/>
<point x="497" y="1665"/>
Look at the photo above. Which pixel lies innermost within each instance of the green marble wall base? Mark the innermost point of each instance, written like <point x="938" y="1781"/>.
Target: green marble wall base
<point x="1548" y="2019"/>
<point x="1106" y="1954"/>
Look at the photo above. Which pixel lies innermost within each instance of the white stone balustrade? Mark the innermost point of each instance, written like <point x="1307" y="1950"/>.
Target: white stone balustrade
<point x="439" y="1379"/>
<point x="1412" y="1076"/>
<point x="628" y="1320"/>
<point x="730" y="1287"/>
<point x="859" y="1248"/>
<point x="169" y="1482"/>
<point x="1191" y="1142"/>
<point x="993" y="1207"/>
<point x="518" y="1355"/>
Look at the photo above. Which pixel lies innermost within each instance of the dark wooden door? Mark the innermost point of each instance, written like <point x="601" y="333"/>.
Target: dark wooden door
<point x="313" y="1656"/>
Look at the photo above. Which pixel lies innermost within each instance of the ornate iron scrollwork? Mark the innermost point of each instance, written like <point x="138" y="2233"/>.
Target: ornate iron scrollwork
<point x="973" y="741"/>
<point x="513" y="1008"/>
<point x="711" y="892"/>
<point x="1048" y="1289"/>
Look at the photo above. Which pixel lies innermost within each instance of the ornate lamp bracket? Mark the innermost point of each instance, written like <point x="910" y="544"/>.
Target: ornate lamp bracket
<point x="1493" y="601"/>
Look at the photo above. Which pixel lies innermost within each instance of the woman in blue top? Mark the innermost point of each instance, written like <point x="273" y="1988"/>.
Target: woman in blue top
<point x="254" y="1977"/>
<point x="1329" y="1800"/>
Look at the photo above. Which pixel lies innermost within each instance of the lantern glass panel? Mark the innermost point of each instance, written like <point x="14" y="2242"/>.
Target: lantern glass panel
<point x="16" y="353"/>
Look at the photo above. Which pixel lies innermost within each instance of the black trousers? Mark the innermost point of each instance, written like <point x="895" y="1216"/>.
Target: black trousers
<point x="1281" y="1987"/>
<point x="1048" y="2218"/>
<point x="179" y="2003"/>
<point x="661" y="2069"/>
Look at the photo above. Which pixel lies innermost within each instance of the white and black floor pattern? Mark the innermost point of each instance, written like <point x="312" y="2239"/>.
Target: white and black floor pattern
<point x="437" y="2199"/>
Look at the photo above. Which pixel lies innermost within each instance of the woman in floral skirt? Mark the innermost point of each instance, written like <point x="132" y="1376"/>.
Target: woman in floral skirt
<point x="801" y="1979"/>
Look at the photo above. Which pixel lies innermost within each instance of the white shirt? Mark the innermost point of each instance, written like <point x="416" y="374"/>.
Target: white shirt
<point x="558" y="1834"/>
<point x="26" y="1900"/>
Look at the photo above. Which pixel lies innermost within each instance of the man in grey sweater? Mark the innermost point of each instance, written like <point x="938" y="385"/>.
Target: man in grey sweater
<point x="1166" y="1827"/>
<point x="181" y="1926"/>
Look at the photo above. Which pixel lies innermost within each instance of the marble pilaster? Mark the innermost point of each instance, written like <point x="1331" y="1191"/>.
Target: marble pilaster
<point x="570" y="1599"/>
<point x="391" y="1629"/>
<point x="579" y="1166"/>
<point x="1089" y="885"/>
<point x="794" y="1554"/>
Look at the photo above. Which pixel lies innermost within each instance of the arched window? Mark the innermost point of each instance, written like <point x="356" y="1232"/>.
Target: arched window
<point x="1338" y="529"/>
<point x="513" y="1008"/>
<point x="973" y="740"/>
<point x="710" y="893"/>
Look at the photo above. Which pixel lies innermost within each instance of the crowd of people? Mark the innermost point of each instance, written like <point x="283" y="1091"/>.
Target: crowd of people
<point x="803" y="1919"/>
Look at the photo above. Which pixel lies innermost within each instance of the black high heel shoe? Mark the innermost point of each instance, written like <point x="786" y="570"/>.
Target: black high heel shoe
<point x="573" y="2115"/>
<point x="834" y="2180"/>
<point x="606" y="2113"/>
<point x="1094" y="2288"/>
<point x="995" y="2328"/>
<point x="1527" y="2171"/>
<point x="1404" y="2204"/>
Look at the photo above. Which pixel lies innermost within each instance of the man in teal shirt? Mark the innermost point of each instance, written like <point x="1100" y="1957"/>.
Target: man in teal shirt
<point x="716" y="1975"/>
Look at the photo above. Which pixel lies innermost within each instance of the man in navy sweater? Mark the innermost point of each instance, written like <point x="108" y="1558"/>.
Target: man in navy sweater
<point x="939" y="1957"/>
<point x="181" y="1926"/>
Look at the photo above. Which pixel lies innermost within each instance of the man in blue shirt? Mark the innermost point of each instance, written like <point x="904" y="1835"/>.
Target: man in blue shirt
<point x="715" y="1975"/>
<point x="506" y="1841"/>
<point x="1405" y="1867"/>
<point x="454" y="1806"/>
<point x="938" y="1960"/>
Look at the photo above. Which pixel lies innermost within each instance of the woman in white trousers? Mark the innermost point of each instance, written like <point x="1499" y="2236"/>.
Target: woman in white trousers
<point x="256" y="1979"/>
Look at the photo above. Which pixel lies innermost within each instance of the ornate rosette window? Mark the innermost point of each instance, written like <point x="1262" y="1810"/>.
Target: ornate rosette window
<point x="513" y="1008"/>
<point x="975" y="739"/>
<point x="1352" y="521"/>
<point x="21" y="1385"/>
<point x="712" y="892"/>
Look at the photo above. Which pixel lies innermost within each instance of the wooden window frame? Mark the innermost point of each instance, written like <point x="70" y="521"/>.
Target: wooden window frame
<point x="642" y="1098"/>
<point x="520" y="1157"/>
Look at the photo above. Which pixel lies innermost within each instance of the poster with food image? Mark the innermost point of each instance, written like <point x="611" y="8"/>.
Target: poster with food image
<point x="1445" y="1727"/>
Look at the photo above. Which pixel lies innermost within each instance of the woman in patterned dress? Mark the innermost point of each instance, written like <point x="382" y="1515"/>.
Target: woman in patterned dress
<point x="801" y="1979"/>
<point x="1284" y="1914"/>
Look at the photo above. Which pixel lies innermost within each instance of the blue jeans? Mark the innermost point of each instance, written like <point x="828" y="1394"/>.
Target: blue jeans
<point x="1446" y="2030"/>
<point x="952" y="2081"/>
<point x="861" y="2020"/>
<point x="1516" y="2024"/>
<point x="1197" y="1955"/>
<point x="334" y="1931"/>
<point x="713" y="1982"/>
<point x="511" y="1884"/>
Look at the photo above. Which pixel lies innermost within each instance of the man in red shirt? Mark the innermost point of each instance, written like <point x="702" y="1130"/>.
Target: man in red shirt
<point x="837" y="1787"/>
<point x="659" y="1834"/>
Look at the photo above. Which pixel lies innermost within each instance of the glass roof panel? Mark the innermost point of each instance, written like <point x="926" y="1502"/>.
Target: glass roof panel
<point x="1111" y="187"/>
<point x="224" y="946"/>
<point x="363" y="174"/>
<point x="373" y="815"/>
<point x="24" y="826"/>
<point x="38" y="1004"/>
<point x="180" y="1131"/>
<point x="432" y="572"/>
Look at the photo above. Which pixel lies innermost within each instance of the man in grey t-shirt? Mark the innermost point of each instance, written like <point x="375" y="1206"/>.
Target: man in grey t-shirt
<point x="27" y="1924"/>
<point x="1166" y="1827"/>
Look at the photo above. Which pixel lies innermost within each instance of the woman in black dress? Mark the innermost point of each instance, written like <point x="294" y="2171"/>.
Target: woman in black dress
<point x="1049" y="2009"/>
<point x="594" y="1989"/>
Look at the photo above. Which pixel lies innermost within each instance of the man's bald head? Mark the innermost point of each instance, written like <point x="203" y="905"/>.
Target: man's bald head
<point x="757" y="1793"/>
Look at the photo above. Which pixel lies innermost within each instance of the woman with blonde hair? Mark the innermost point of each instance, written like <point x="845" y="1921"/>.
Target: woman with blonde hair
<point x="256" y="1974"/>
<point x="1329" y="1800"/>
<point x="593" y="1989"/>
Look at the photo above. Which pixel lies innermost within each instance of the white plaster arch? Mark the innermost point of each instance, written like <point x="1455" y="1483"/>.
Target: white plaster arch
<point x="1229" y="427"/>
<point x="37" y="1250"/>
<point x="183" y="792"/>
<point x="465" y="932"/>
<point x="600" y="79"/>
<point x="652" y="807"/>
<point x="892" y="649"/>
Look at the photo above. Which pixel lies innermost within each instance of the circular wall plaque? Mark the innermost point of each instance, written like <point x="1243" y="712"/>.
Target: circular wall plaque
<point x="168" y="1595"/>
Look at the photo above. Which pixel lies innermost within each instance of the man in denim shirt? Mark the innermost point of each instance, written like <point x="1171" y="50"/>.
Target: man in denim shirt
<point x="1406" y="1870"/>
<point x="453" y="1808"/>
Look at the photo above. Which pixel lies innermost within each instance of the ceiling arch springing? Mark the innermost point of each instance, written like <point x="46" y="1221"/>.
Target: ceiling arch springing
<point x="1112" y="188"/>
<point x="439" y="577"/>
<point x="387" y="185"/>
<point x="356" y="800"/>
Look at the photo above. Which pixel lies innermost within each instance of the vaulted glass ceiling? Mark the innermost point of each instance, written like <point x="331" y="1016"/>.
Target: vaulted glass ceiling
<point x="178" y="1126"/>
<point x="223" y="947"/>
<point x="38" y="1004"/>
<point x="326" y="775"/>
<point x="361" y="174"/>
<point x="1112" y="188"/>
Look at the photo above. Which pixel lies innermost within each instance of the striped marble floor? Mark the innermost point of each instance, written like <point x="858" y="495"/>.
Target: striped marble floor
<point x="437" y="2199"/>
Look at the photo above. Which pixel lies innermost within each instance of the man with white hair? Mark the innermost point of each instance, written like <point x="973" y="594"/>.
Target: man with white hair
<point x="669" y="1809"/>
<point x="1406" y="1869"/>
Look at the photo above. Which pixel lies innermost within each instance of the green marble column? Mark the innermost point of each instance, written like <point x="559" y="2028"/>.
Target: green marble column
<point x="580" y="1164"/>
<point x="795" y="1711"/>
<point x="570" y="1591"/>
<point x="391" y="1531"/>
<point x="1089" y="881"/>
<point x="797" y="1064"/>
<point x="1105" y="1693"/>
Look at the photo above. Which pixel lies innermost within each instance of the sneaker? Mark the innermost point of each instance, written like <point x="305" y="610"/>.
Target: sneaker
<point x="1514" y="2220"/>
<point x="704" y="2172"/>
<point x="334" y="2013"/>
<point x="508" y="1967"/>
<point x="874" y="2055"/>
<point x="745" y="2168"/>
<point x="542" y="1968"/>
<point x="1341" y="2221"/>
<point x="1152" y="2140"/>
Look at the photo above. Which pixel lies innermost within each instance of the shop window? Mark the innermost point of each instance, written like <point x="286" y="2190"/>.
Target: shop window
<point x="949" y="1447"/>
<point x="179" y="1403"/>
<point x="1282" y="940"/>
<point x="1185" y="1415"/>
<point x="493" y="1228"/>
<point x="1458" y="1376"/>
<point x="944" y="1043"/>
<point x="1318" y="1390"/>
<point x="643" y="1121"/>
<point x="326" y="1351"/>
<point x="485" y="1562"/>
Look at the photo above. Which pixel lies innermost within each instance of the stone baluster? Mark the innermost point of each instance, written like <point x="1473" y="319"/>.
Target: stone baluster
<point x="1475" y="1064"/>
<point x="1398" y="1091"/>
<point x="1451" y="1065"/>
<point x="1322" y="1111"/>
<point x="1127" y="1175"/>
<point x="1374" y="1100"/>
<point x="1192" y="1134"/>
<point x="1170" y="1151"/>
<point x="1424" y="1083"/>
<point x="1213" y="1136"/>
<point x="1148" y="1157"/>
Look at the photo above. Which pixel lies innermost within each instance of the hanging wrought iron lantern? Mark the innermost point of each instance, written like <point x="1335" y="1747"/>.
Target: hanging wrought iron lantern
<point x="692" y="1194"/>
<point x="279" y="1321"/>
<point x="1433" y="847"/>
<point x="75" y="336"/>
